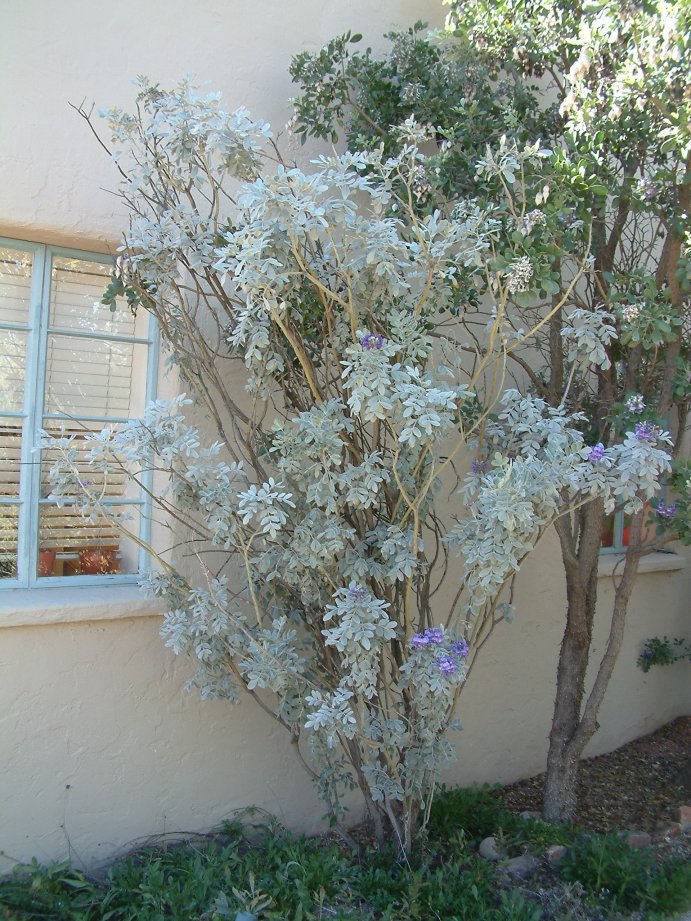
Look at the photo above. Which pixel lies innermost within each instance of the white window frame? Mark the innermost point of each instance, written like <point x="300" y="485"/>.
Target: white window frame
<point x="31" y="418"/>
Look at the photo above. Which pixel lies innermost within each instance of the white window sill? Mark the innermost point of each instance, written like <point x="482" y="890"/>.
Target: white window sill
<point x="654" y="562"/>
<point x="40" y="607"/>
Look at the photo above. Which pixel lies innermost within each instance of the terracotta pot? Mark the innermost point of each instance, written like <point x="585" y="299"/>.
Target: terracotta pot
<point x="46" y="560"/>
<point x="98" y="562"/>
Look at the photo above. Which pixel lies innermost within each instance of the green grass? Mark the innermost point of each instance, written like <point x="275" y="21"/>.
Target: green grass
<point x="270" y="874"/>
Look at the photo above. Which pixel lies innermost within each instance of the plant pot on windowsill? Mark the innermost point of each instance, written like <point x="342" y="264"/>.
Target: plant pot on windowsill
<point x="46" y="561"/>
<point x="98" y="562"/>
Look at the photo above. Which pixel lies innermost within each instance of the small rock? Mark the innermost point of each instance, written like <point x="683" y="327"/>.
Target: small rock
<point x="685" y="819"/>
<point x="638" y="839"/>
<point x="520" y="867"/>
<point x="556" y="853"/>
<point x="532" y="815"/>
<point x="489" y="850"/>
<point x="683" y="778"/>
<point x="669" y="829"/>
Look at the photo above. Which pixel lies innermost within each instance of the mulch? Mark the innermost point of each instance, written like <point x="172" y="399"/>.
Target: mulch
<point x="636" y="787"/>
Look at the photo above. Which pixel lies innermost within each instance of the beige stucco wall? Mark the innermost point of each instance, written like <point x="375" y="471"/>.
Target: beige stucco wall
<point x="99" y="744"/>
<point x="102" y="746"/>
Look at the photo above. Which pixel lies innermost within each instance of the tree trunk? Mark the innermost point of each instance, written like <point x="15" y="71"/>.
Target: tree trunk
<point x="580" y="556"/>
<point x="574" y="723"/>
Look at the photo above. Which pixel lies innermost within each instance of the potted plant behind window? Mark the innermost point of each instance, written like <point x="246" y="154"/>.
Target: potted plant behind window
<point x="46" y="561"/>
<point x="98" y="561"/>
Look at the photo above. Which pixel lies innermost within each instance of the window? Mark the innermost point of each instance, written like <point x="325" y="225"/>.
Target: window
<point x="615" y="532"/>
<point x="67" y="365"/>
<point x="614" y="537"/>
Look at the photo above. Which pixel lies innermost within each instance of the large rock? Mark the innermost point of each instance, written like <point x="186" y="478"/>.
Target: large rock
<point x="637" y="839"/>
<point x="669" y="830"/>
<point x="555" y="853"/>
<point x="490" y="850"/>
<point x="520" y="867"/>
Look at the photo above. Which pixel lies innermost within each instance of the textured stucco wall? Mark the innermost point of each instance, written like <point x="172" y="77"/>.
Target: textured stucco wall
<point x="52" y="54"/>
<point x="99" y="744"/>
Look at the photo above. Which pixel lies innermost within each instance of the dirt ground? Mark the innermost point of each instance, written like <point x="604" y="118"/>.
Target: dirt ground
<point x="636" y="787"/>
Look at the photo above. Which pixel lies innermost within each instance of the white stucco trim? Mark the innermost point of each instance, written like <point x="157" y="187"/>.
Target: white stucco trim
<point x="654" y="562"/>
<point x="75" y="604"/>
<point x="39" y="607"/>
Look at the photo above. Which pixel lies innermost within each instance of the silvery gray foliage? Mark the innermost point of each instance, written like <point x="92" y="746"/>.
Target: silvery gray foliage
<point x="322" y="482"/>
<point x="587" y="335"/>
<point x="537" y="467"/>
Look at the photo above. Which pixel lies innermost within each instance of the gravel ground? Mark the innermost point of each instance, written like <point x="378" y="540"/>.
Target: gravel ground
<point x="636" y="787"/>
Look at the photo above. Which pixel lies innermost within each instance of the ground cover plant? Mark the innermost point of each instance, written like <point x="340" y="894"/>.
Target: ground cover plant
<point x="261" y="872"/>
<point x="603" y="88"/>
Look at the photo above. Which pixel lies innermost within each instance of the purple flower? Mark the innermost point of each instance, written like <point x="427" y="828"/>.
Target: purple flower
<point x="635" y="404"/>
<point x="648" y="189"/>
<point x="666" y="511"/>
<point x="479" y="467"/>
<point x="646" y="431"/>
<point x="358" y="593"/>
<point x="648" y="652"/>
<point x="370" y="341"/>
<point x="460" y="649"/>
<point x="447" y="665"/>
<point x="596" y="453"/>
<point x="419" y="640"/>
<point x="435" y="635"/>
<point x="432" y="636"/>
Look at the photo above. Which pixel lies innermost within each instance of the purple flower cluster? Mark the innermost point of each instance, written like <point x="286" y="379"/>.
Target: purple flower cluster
<point x="648" y="652"/>
<point x="432" y="636"/>
<point x="370" y="341"/>
<point x="596" y="453"/>
<point x="447" y="665"/>
<point x="648" y="190"/>
<point x="646" y="431"/>
<point x="460" y="649"/>
<point x="666" y="511"/>
<point x="478" y="467"/>
<point x="635" y="404"/>
<point x="358" y="593"/>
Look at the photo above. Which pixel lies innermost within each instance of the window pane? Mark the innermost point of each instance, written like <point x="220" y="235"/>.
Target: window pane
<point x="95" y="377"/>
<point x="12" y="369"/>
<point x="607" y="535"/>
<point x="15" y="285"/>
<point x="10" y="455"/>
<point x="9" y="528"/>
<point x="111" y="484"/>
<point x="77" y="287"/>
<point x="71" y="545"/>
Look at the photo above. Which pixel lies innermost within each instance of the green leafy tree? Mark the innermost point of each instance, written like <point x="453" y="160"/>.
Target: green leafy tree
<point x="602" y="89"/>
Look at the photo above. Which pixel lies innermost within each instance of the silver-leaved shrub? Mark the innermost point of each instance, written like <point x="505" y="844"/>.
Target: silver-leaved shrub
<point x="329" y="559"/>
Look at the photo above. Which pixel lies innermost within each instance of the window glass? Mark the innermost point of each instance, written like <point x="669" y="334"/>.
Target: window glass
<point x="9" y="536"/>
<point x="12" y="369"/>
<point x="71" y="544"/>
<point x="15" y="286"/>
<point x="94" y="377"/>
<point x="70" y="374"/>
<point x="77" y="287"/>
